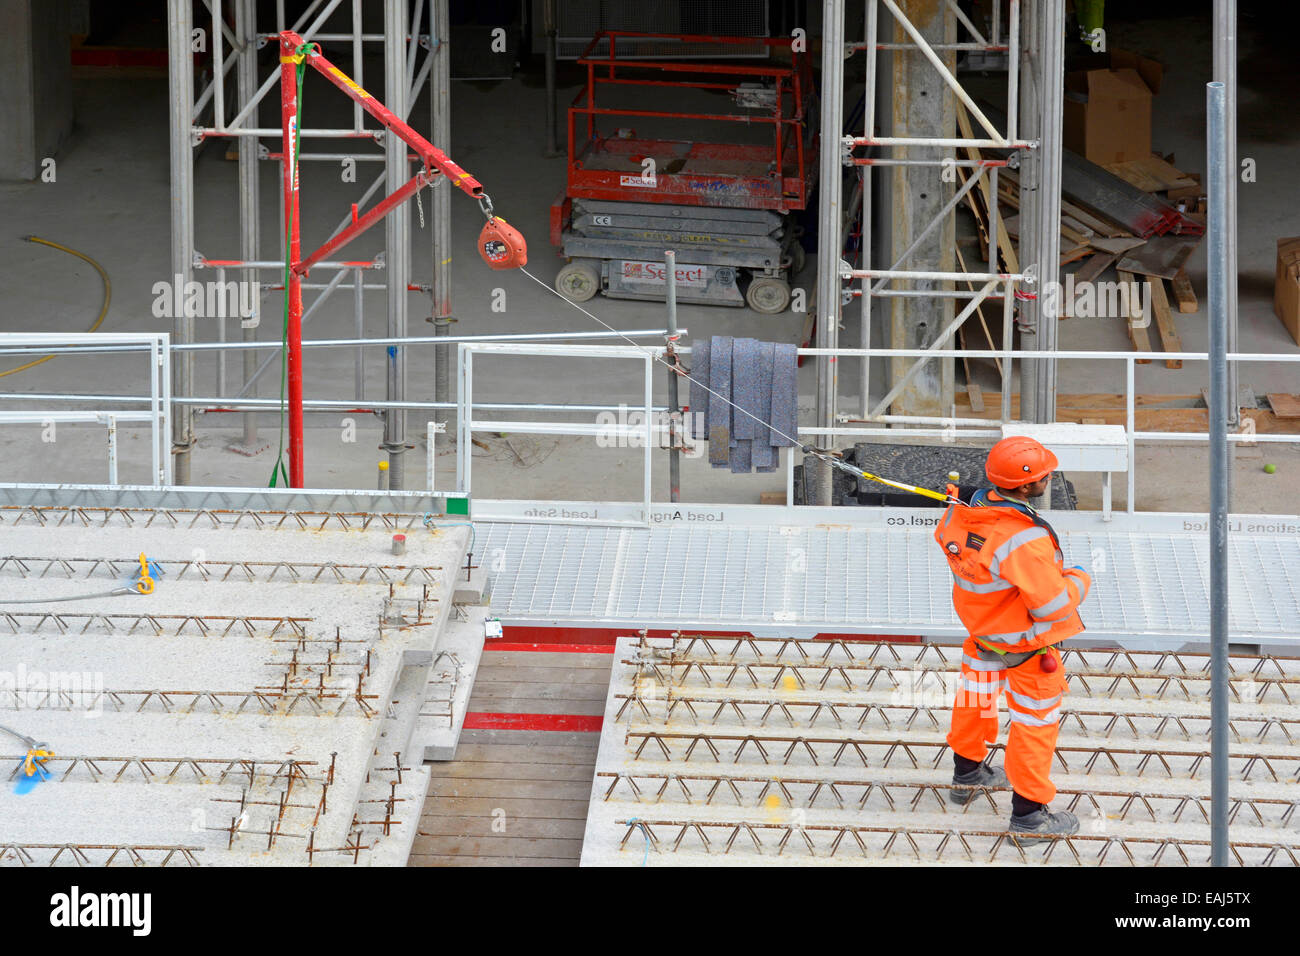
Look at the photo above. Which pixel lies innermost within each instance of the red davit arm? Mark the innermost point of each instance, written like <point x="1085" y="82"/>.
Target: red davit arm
<point x="435" y="161"/>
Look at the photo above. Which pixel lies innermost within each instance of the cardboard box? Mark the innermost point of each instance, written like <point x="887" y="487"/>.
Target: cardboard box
<point x="1286" y="292"/>
<point x="1107" y="112"/>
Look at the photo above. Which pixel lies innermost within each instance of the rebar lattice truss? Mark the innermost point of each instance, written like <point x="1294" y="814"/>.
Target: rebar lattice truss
<point x="80" y="854"/>
<point x="208" y="570"/>
<point x="316" y="699"/>
<point x="91" y="516"/>
<point x="201" y="770"/>
<point x="852" y="666"/>
<point x="785" y="749"/>
<point x="935" y="844"/>
<point x="860" y="714"/>
<point x="827" y="749"/>
<point x="176" y="625"/>
<point x="766" y="791"/>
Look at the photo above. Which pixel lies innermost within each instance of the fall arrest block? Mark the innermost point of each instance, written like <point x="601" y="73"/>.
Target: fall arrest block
<point x="501" y="245"/>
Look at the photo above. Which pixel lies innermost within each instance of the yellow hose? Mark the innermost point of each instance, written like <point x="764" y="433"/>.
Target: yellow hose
<point x="108" y="297"/>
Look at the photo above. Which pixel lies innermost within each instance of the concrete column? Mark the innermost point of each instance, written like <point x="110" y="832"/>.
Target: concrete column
<point x="923" y="105"/>
<point x="36" y="76"/>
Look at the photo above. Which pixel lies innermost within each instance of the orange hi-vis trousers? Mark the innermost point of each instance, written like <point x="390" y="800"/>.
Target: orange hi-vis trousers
<point x="1034" y="704"/>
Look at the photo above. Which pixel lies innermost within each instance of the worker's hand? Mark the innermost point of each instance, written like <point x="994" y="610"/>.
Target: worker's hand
<point x="1077" y="572"/>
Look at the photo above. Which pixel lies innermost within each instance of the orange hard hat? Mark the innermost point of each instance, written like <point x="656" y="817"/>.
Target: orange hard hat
<point x="1019" y="460"/>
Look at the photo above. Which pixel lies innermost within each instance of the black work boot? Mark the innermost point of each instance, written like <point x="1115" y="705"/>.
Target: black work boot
<point x="1042" y="825"/>
<point x="966" y="785"/>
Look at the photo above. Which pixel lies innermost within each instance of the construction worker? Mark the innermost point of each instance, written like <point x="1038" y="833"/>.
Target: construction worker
<point x="1017" y="601"/>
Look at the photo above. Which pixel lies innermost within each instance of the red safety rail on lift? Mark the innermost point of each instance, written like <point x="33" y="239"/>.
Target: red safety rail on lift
<point x="607" y="160"/>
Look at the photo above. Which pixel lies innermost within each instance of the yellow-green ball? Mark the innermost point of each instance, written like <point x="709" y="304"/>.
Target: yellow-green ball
<point x="1270" y="469"/>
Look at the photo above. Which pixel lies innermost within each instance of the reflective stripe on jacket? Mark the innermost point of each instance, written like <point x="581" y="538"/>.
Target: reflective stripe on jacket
<point x="1010" y="587"/>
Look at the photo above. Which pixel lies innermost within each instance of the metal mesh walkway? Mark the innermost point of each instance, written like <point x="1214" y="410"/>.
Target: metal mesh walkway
<point x="892" y="580"/>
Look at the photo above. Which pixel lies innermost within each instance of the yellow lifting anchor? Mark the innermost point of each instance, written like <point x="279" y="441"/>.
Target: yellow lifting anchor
<point x="144" y="584"/>
<point x="37" y="753"/>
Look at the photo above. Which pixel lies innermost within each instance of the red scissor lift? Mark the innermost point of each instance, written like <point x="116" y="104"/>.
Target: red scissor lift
<point x="725" y="208"/>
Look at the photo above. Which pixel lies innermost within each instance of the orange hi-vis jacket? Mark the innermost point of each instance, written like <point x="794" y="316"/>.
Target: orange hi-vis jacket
<point x="1010" y="587"/>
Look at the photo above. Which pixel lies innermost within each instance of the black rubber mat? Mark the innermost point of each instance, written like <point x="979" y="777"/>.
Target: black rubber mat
<point x="927" y="466"/>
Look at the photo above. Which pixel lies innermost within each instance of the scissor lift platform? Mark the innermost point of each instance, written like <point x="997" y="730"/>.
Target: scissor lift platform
<point x="629" y="197"/>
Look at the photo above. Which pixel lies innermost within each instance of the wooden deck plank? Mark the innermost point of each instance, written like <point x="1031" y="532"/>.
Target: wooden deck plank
<point x="516" y="827"/>
<point x="517" y="772"/>
<point x="430" y="859"/>
<point x="551" y="808"/>
<point x="501" y="846"/>
<point x="560" y="752"/>
<point x="538" y="783"/>
<point x="576" y="789"/>
<point x="539" y="705"/>
<point x="501" y="737"/>
<point x="551" y="690"/>
<point x="489" y="673"/>
<point x="565" y="659"/>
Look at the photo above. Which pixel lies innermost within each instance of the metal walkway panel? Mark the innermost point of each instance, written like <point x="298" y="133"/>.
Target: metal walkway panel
<point x="872" y="579"/>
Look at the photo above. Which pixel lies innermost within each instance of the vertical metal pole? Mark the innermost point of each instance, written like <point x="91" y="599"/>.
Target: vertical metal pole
<point x="1130" y="426"/>
<point x="1030" y="164"/>
<point x="359" y="320"/>
<point x="829" y="240"/>
<point x="649" y="437"/>
<point x="249" y="195"/>
<point x="112" y="450"/>
<point x="180" y="72"/>
<point x="293" y="290"/>
<point x="868" y="129"/>
<point x="396" y="238"/>
<point x="432" y="442"/>
<point x="1013" y="65"/>
<point x="221" y="333"/>
<point x="551" y="30"/>
<point x="674" y="408"/>
<point x="1220" y="280"/>
<point x="440" y="129"/>
<point x="358" y="63"/>
<point x="218" y="66"/>
<point x="1225" y="72"/>
<point x="1051" y="80"/>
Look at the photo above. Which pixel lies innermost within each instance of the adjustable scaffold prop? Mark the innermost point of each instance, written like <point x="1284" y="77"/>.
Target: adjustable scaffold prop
<point x="500" y="244"/>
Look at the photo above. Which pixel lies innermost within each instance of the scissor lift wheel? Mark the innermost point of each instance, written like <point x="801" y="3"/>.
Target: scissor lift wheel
<point x="578" y="281"/>
<point x="768" y="295"/>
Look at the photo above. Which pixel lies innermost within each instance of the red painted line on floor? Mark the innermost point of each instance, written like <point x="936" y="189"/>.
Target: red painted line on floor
<point x="568" y="722"/>
<point x="524" y="634"/>
<point x="550" y="648"/>
<point x="541" y="634"/>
